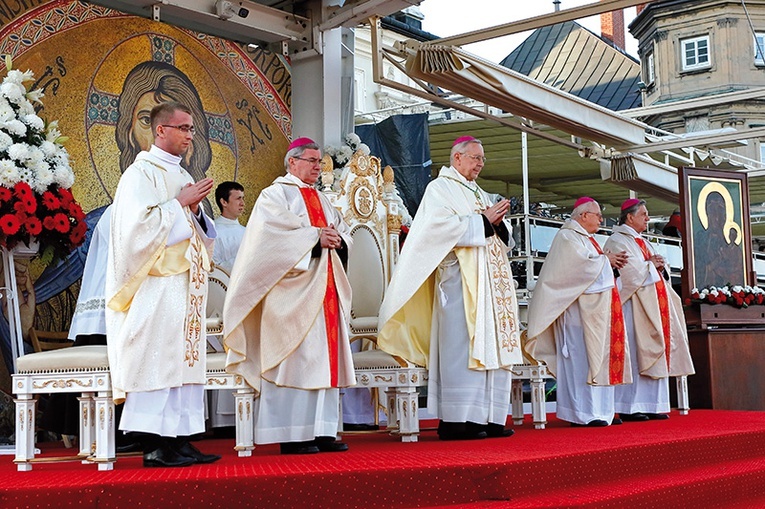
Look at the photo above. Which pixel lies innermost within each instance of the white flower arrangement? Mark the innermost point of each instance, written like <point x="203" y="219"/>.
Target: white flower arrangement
<point x="26" y="142"/>
<point x="342" y="155"/>
<point x="35" y="175"/>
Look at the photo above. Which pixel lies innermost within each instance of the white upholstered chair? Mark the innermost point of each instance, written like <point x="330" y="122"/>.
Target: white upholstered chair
<point x="217" y="377"/>
<point x="81" y="369"/>
<point x="365" y="199"/>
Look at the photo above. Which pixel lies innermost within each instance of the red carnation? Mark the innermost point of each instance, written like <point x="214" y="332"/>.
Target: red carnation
<point x="33" y="226"/>
<point x="61" y="223"/>
<point x="9" y="224"/>
<point x="22" y="190"/>
<point x="5" y="194"/>
<point x="50" y="201"/>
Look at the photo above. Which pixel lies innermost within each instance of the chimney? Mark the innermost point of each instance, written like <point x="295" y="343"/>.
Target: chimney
<point x="612" y="27"/>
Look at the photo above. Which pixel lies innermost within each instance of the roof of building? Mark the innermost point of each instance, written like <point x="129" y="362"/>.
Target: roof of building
<point x="570" y="57"/>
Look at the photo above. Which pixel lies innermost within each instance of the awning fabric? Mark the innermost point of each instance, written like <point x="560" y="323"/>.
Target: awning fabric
<point x="459" y="71"/>
<point x="643" y="174"/>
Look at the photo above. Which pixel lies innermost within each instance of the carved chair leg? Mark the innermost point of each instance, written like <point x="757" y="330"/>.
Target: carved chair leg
<point x="683" y="404"/>
<point x="406" y="405"/>
<point x="25" y="431"/>
<point x="105" y="439"/>
<point x="87" y="426"/>
<point x="244" y="421"/>
<point x="517" y="401"/>
<point x="538" y="410"/>
<point x="392" y="408"/>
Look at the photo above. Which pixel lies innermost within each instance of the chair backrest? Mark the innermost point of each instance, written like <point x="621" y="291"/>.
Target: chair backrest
<point x="364" y="201"/>
<point x="42" y="341"/>
<point x="217" y="284"/>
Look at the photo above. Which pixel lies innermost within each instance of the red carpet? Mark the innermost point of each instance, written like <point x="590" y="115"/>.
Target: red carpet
<point x="702" y="460"/>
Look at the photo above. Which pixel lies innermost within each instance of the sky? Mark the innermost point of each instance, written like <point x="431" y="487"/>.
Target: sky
<point x="451" y="17"/>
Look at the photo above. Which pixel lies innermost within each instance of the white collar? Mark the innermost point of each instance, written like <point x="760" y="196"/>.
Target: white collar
<point x="166" y="157"/>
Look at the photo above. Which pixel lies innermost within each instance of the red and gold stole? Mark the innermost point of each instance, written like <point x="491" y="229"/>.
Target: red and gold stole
<point x="661" y="292"/>
<point x="616" y="351"/>
<point x="331" y="302"/>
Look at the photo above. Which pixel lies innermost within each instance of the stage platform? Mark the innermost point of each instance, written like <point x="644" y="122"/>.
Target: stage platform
<point x="707" y="459"/>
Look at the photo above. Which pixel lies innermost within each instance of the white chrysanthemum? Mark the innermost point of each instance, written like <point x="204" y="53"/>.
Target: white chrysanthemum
<point x="64" y="177"/>
<point x="737" y="288"/>
<point x="33" y="121"/>
<point x="353" y="140"/>
<point x="13" y="92"/>
<point x="9" y="173"/>
<point x="26" y="175"/>
<point x="364" y="148"/>
<point x="18" y="77"/>
<point x="26" y="108"/>
<point x="6" y="112"/>
<point x="15" y="127"/>
<point x="44" y="178"/>
<point x="48" y="148"/>
<point x="19" y="151"/>
<point x="330" y="151"/>
<point x="5" y="141"/>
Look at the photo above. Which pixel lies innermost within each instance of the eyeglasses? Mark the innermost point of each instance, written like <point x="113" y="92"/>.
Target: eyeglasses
<point x="310" y="161"/>
<point x="475" y="158"/>
<point x="182" y="128"/>
<point x="598" y="214"/>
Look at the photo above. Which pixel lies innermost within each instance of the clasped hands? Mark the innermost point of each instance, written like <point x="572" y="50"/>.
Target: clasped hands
<point x="329" y="238"/>
<point x="617" y="260"/>
<point x="192" y="194"/>
<point x="497" y="212"/>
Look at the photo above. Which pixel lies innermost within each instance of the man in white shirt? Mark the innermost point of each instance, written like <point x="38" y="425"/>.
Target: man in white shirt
<point x="230" y="199"/>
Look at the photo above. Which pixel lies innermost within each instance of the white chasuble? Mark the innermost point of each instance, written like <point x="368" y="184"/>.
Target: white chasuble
<point x="575" y="272"/>
<point x="273" y="317"/>
<point x="639" y="277"/>
<point x="156" y="282"/>
<point x="448" y="223"/>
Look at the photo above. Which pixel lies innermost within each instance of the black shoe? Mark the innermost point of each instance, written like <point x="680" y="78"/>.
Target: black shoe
<point x="657" y="417"/>
<point x="498" y="431"/>
<point x="329" y="444"/>
<point x="597" y="423"/>
<point x="360" y="427"/>
<point x="308" y="447"/>
<point x="460" y="431"/>
<point x="616" y="421"/>
<point x="184" y="448"/>
<point x="636" y="417"/>
<point x="129" y="447"/>
<point x="166" y="457"/>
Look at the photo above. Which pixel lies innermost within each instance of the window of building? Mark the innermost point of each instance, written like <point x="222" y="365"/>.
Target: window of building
<point x="759" y="48"/>
<point x="650" y="76"/>
<point x="695" y="53"/>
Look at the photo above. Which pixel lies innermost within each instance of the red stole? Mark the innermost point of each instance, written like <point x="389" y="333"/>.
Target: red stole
<point x="331" y="302"/>
<point x="661" y="292"/>
<point x="616" y="351"/>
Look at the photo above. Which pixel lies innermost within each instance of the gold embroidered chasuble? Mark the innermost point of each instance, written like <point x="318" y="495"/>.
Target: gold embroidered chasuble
<point x="570" y="268"/>
<point x="272" y="329"/>
<point x="491" y="307"/>
<point x="652" y="360"/>
<point x="155" y="293"/>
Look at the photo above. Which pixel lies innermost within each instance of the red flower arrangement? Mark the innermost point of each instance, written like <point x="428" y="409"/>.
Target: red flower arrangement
<point x="736" y="296"/>
<point x="53" y="217"/>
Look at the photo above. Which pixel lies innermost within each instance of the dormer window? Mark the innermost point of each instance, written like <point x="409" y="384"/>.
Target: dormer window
<point x="695" y="53"/>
